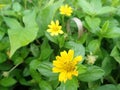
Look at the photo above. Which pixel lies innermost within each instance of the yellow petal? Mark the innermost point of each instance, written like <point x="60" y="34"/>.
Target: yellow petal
<point x="57" y="22"/>
<point x="69" y="75"/>
<point x="62" y="77"/>
<point x="60" y="28"/>
<point x="50" y="26"/>
<point x="57" y="63"/>
<point x="48" y="30"/>
<point x="64" y="55"/>
<point x="52" y="34"/>
<point x="61" y="32"/>
<point x="75" y="73"/>
<point x="70" y="54"/>
<point x="56" y="70"/>
<point x="58" y="58"/>
<point x="52" y="23"/>
<point x="77" y="59"/>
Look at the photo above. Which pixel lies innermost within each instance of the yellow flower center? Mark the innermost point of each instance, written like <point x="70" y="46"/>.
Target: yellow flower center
<point x="55" y="28"/>
<point x="66" y="11"/>
<point x="68" y="66"/>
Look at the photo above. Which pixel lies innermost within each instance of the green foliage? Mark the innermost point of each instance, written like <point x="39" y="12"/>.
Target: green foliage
<point x="25" y="34"/>
<point x="77" y="47"/>
<point x="7" y="82"/>
<point x="107" y="87"/>
<point x="27" y="50"/>
<point x="69" y="85"/>
<point x="94" y="7"/>
<point x="92" y="73"/>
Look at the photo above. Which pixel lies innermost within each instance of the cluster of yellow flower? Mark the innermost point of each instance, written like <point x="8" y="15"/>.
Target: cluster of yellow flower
<point x="54" y="27"/>
<point x="65" y="64"/>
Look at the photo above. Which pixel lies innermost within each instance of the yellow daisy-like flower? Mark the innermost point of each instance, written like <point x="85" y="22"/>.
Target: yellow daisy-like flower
<point x="55" y="28"/>
<point x="2" y="5"/>
<point x="66" y="65"/>
<point x="66" y="10"/>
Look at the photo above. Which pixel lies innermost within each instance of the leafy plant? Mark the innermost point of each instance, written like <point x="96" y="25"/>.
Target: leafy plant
<point x="34" y="54"/>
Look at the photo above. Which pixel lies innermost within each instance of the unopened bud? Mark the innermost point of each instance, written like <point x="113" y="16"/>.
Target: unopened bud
<point x="5" y="74"/>
<point x="91" y="59"/>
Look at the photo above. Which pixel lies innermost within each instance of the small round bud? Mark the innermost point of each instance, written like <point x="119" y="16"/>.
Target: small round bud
<point x="91" y="59"/>
<point x="5" y="74"/>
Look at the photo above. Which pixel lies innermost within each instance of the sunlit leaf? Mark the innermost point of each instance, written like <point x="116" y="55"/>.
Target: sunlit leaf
<point x="21" y="36"/>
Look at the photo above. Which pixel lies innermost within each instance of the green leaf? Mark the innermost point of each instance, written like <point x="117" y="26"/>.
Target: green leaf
<point x="3" y="88"/>
<point x="34" y="49"/>
<point x="118" y="87"/>
<point x="118" y="44"/>
<point x="18" y="60"/>
<point x="107" y="87"/>
<point x="2" y="33"/>
<point x="105" y="27"/>
<point x="115" y="53"/>
<point x="94" y="84"/>
<point x="94" y="7"/>
<point x="113" y="32"/>
<point x="21" y="36"/>
<point x="46" y="50"/>
<point x="69" y="85"/>
<point x="45" y="68"/>
<point x="3" y="57"/>
<point x="54" y="81"/>
<point x="24" y="51"/>
<point x="81" y="68"/>
<point x="87" y="8"/>
<point x="33" y="67"/>
<point x="93" y="73"/>
<point x="106" y="9"/>
<point x="96" y="4"/>
<point x="61" y="41"/>
<point x="5" y="1"/>
<point x="93" y="24"/>
<point x="108" y="64"/>
<point x="17" y="7"/>
<point x="77" y="47"/>
<point x="7" y="82"/>
<point x="118" y="10"/>
<point x="12" y="23"/>
<point x="51" y="38"/>
<point x="4" y="43"/>
<point x="5" y="66"/>
<point x="44" y="85"/>
<point x="93" y="46"/>
<point x="46" y="15"/>
<point x="9" y="13"/>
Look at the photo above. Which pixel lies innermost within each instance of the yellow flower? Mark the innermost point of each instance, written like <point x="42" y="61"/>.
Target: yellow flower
<point x="2" y="5"/>
<point x="66" y="10"/>
<point x="55" y="28"/>
<point x="66" y="65"/>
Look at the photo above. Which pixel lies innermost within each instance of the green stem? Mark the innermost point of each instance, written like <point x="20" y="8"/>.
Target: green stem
<point x="6" y="73"/>
<point x="63" y="21"/>
<point x="25" y="4"/>
<point x="13" y="68"/>
<point x="100" y="39"/>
